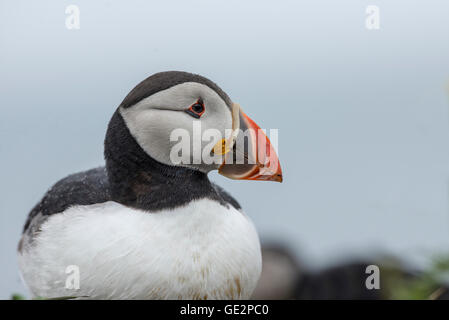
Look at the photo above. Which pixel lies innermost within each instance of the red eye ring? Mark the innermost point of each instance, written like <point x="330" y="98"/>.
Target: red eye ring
<point x="197" y="109"/>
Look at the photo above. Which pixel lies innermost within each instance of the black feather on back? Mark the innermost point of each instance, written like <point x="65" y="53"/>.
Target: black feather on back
<point x="83" y="188"/>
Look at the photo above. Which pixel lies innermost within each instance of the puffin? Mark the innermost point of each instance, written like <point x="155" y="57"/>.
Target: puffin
<point x="150" y="224"/>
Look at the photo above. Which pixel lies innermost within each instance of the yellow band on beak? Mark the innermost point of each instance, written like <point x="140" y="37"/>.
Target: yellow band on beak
<point x="221" y="147"/>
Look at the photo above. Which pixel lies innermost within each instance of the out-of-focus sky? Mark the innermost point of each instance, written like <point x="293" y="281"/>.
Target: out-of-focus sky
<point x="362" y="114"/>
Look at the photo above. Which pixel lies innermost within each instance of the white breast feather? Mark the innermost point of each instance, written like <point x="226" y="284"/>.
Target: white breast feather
<point x="201" y="251"/>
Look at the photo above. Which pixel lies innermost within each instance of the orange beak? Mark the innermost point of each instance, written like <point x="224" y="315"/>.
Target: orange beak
<point x="252" y="156"/>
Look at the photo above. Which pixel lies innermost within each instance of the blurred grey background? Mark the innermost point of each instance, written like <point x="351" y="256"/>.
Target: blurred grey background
<point x="362" y="114"/>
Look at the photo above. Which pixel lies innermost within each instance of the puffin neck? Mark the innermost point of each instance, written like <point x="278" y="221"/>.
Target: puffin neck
<point x="137" y="180"/>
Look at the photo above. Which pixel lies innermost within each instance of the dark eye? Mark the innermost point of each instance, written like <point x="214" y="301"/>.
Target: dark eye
<point x="197" y="109"/>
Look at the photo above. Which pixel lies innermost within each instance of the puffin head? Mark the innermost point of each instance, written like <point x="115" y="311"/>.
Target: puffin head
<point x="185" y="120"/>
